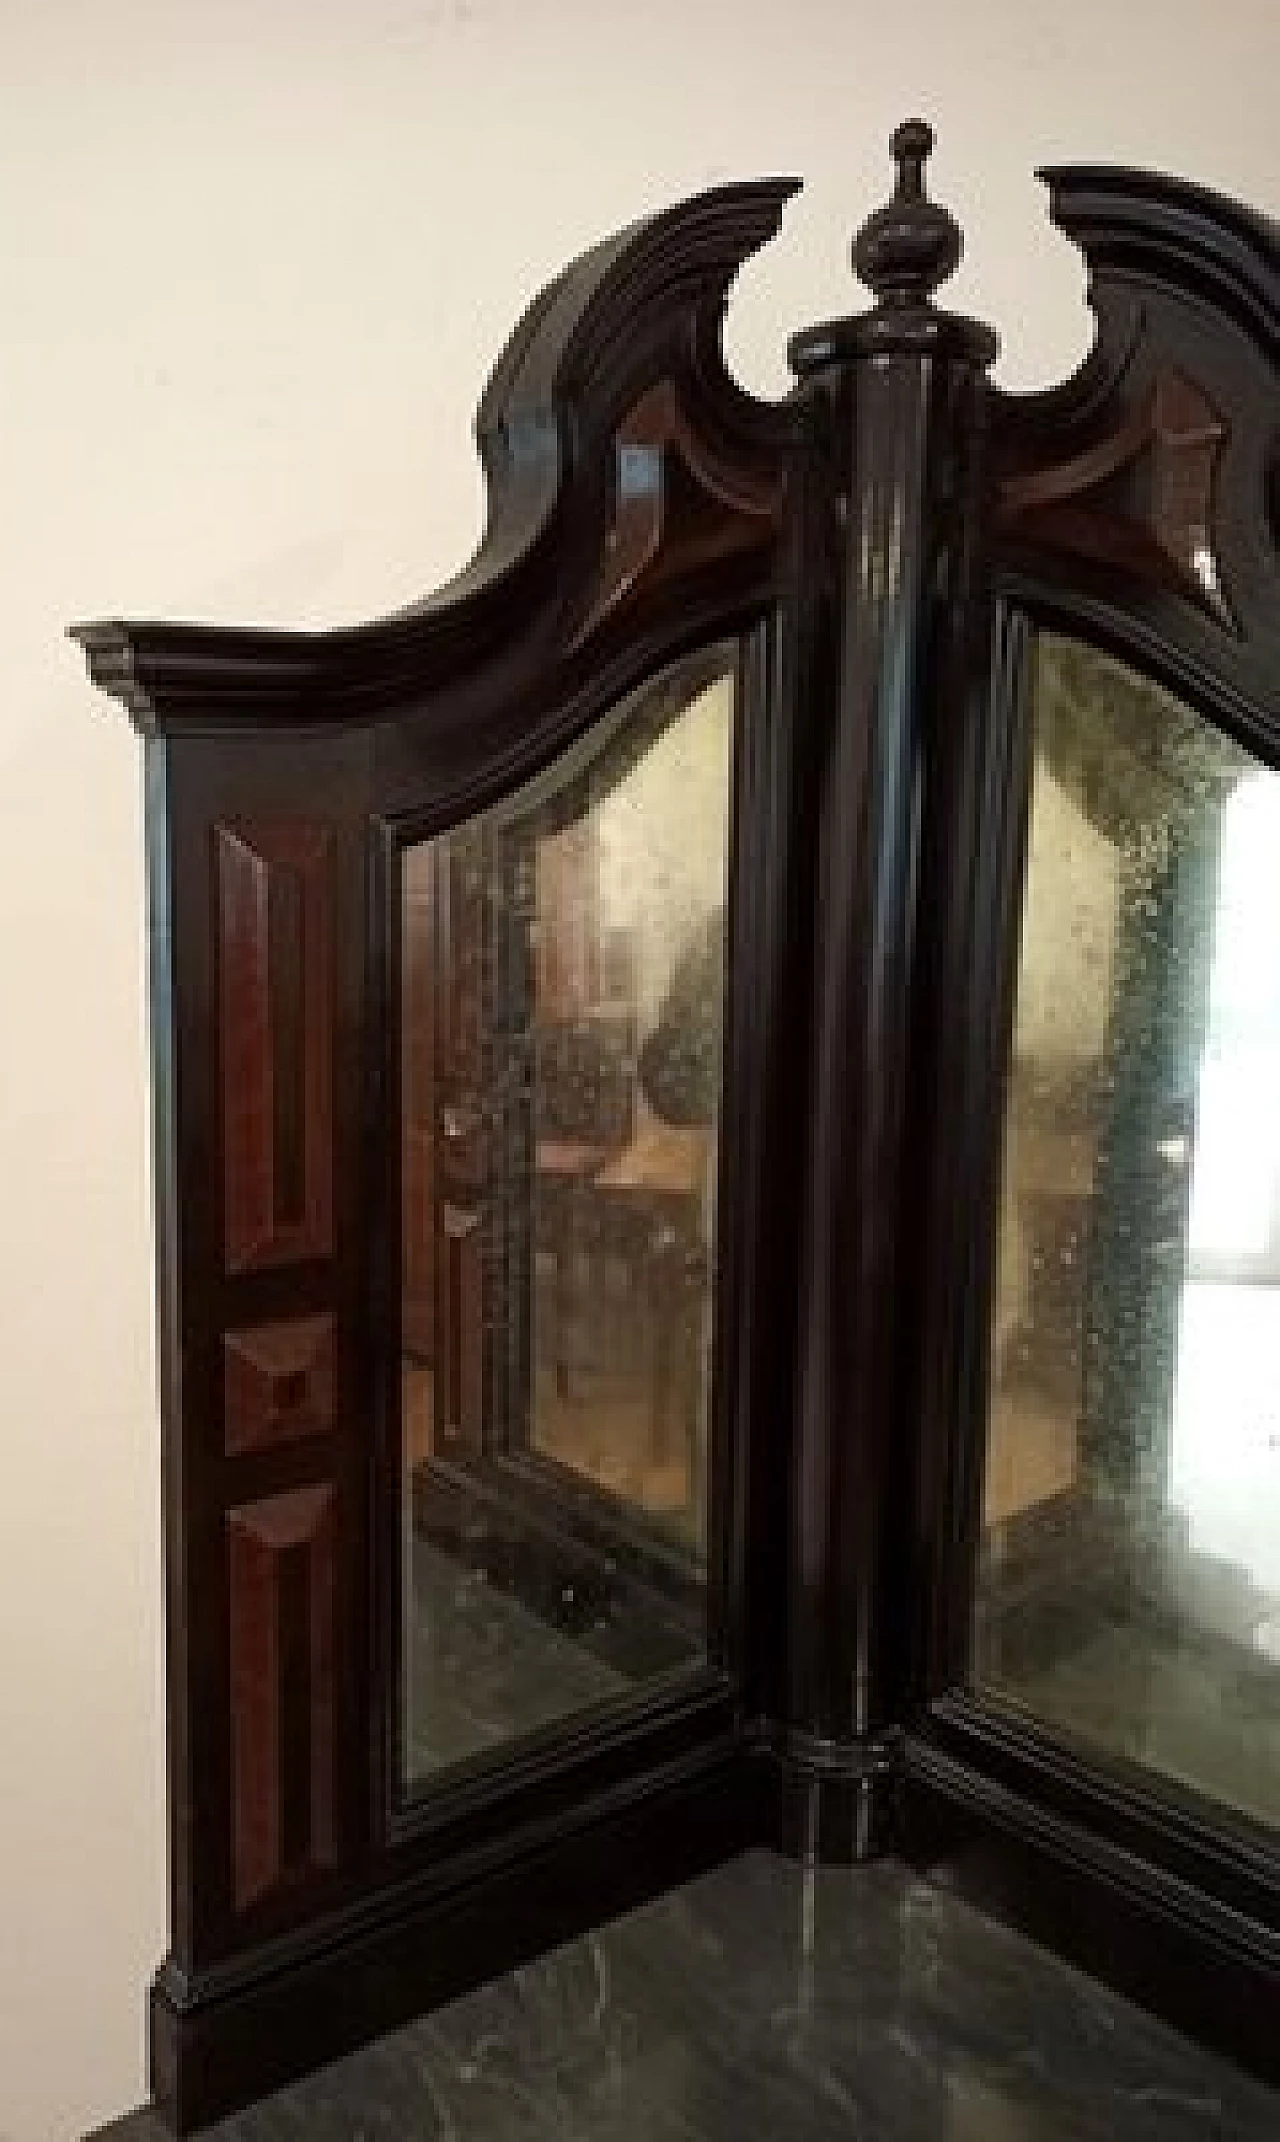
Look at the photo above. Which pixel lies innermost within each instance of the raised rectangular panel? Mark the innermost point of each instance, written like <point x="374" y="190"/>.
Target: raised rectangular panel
<point x="283" y="1742"/>
<point x="275" y="1017"/>
<point x="278" y="1382"/>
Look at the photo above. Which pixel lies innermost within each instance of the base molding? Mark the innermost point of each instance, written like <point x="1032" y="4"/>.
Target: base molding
<point x="945" y="1798"/>
<point x="218" y="2040"/>
<point x="1167" y="1941"/>
<point x="834" y="1801"/>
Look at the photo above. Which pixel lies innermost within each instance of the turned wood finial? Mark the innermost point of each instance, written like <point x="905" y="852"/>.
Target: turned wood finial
<point x="910" y="246"/>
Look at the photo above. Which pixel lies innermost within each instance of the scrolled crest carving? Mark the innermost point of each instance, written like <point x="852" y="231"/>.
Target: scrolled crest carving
<point x="274" y="942"/>
<point x="1139" y="498"/>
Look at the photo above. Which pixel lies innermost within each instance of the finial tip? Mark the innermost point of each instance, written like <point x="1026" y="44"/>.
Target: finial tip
<point x="911" y="142"/>
<point x="910" y="146"/>
<point x="908" y="248"/>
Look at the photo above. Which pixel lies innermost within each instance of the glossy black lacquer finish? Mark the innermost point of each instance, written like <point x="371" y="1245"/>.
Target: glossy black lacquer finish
<point x="876" y="552"/>
<point x="896" y="396"/>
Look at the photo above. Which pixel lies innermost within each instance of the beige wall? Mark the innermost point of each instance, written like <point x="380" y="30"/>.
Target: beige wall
<point x="663" y="839"/>
<point x="254" y="260"/>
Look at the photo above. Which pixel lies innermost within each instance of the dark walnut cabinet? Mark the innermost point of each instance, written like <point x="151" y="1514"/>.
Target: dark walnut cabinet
<point x="717" y="1172"/>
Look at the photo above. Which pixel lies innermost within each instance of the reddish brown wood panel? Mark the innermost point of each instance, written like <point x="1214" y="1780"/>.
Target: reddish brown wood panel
<point x="675" y="506"/>
<point x="283" y="1741"/>
<point x="275" y="1015"/>
<point x="1140" y="498"/>
<point x="278" y="1382"/>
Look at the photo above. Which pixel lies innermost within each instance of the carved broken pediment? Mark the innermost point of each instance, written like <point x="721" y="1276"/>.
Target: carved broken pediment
<point x="674" y="505"/>
<point x="1140" y="498"/>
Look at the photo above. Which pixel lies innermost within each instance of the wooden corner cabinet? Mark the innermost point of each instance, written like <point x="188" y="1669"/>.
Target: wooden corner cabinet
<point x="717" y="1173"/>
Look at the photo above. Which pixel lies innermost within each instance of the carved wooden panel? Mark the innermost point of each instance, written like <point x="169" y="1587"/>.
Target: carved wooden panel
<point x="275" y="1007"/>
<point x="1140" y="498"/>
<point x="283" y="1737"/>
<point x="673" y="505"/>
<point x="278" y="1382"/>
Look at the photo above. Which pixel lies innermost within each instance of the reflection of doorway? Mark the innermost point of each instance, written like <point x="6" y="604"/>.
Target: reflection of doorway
<point x="541" y="957"/>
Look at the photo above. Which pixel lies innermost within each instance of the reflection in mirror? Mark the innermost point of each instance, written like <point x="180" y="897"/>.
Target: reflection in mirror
<point x="562" y="998"/>
<point x="1129" y="1591"/>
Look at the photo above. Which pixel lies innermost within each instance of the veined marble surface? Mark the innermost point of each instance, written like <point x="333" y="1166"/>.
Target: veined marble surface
<point x="761" y="2002"/>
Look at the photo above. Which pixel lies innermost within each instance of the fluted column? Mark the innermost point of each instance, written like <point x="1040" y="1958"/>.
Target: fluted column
<point x="899" y="391"/>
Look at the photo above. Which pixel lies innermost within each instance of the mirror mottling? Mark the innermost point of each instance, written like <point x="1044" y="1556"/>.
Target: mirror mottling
<point x="1129" y="1589"/>
<point x="562" y="1033"/>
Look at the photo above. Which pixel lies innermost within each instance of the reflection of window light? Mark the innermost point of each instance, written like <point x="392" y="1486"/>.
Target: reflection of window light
<point x="1237" y="1160"/>
<point x="1266" y="1638"/>
<point x="1223" y="1454"/>
<point x="1204" y="568"/>
<point x="1224" y="1445"/>
<point x="1237" y="1157"/>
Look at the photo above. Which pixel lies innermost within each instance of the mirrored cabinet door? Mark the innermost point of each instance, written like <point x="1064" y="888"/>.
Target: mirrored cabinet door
<point x="562" y="1001"/>
<point x="1129" y="1589"/>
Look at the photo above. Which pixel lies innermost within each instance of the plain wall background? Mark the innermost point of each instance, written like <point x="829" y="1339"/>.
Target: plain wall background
<point x="255" y="260"/>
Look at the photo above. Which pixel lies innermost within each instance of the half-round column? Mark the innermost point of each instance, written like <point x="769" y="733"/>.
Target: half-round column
<point x="898" y="392"/>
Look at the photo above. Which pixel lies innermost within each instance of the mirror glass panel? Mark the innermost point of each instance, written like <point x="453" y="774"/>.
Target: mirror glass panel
<point x="1129" y="1589"/>
<point x="562" y="979"/>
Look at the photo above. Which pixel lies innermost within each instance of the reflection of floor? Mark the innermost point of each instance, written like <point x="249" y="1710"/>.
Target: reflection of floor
<point x="1145" y="1622"/>
<point x="503" y="1635"/>
<point x="758" y="2005"/>
<point x="1176" y="1709"/>
<point x="481" y="1669"/>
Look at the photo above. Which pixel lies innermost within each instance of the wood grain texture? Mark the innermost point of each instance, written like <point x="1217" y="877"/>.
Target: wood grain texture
<point x="675" y="506"/>
<point x="266" y="1387"/>
<point x="1140" y="499"/>
<point x="279" y="1382"/>
<point x="275" y="998"/>
<point x="281" y="1597"/>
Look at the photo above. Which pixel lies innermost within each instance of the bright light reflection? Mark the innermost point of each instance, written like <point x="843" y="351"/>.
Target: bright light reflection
<point x="1224" y="1452"/>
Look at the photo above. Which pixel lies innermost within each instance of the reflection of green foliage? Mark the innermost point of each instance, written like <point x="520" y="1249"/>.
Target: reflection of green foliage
<point x="1153" y="776"/>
